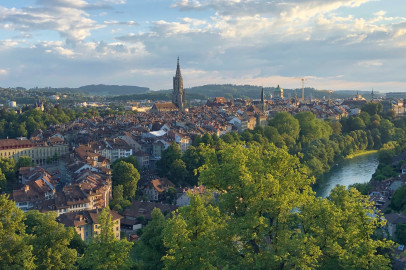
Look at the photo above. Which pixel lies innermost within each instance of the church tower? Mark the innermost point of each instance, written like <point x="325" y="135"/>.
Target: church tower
<point x="178" y="95"/>
<point x="263" y="100"/>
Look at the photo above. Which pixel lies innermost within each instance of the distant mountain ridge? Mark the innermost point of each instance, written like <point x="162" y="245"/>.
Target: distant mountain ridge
<point x="100" y="90"/>
<point x="229" y="91"/>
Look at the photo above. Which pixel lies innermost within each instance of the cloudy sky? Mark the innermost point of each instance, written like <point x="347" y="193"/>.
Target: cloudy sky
<point x="334" y="44"/>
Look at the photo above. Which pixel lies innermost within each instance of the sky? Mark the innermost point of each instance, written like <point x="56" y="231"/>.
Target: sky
<point x="333" y="44"/>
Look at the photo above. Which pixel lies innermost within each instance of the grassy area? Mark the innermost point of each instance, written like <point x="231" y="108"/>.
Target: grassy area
<point x="362" y="153"/>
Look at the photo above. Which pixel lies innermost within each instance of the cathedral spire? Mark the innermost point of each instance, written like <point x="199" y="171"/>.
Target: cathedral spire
<point x="178" y="95"/>
<point x="178" y="69"/>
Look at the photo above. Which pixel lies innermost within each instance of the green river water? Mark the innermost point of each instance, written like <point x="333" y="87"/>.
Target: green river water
<point x="354" y="170"/>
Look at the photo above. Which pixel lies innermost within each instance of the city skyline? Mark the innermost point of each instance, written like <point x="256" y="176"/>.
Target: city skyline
<point x="347" y="44"/>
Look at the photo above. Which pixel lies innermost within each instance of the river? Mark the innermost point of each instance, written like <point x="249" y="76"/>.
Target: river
<point x="350" y="171"/>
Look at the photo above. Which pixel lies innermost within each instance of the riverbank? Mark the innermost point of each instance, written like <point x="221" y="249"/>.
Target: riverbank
<point x="361" y="153"/>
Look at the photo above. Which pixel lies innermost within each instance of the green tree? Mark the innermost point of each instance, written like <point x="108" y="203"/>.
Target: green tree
<point x="168" y="156"/>
<point x="126" y="175"/>
<point x="341" y="228"/>
<point x="16" y="252"/>
<point x="50" y="241"/>
<point x="398" y="201"/>
<point x="77" y="243"/>
<point x="3" y="181"/>
<point x="400" y="234"/>
<point x="190" y="237"/>
<point x="336" y="127"/>
<point x="207" y="139"/>
<point x="312" y="128"/>
<point x="24" y="161"/>
<point x="7" y="169"/>
<point x="258" y="187"/>
<point x="273" y="136"/>
<point x="193" y="160"/>
<point x="372" y="108"/>
<point x="178" y="172"/>
<point x="119" y="203"/>
<point x="130" y="159"/>
<point x="387" y="130"/>
<point x="285" y="123"/>
<point x="105" y="252"/>
<point x="150" y="248"/>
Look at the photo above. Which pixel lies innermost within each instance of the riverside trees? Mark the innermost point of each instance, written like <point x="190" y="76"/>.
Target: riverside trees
<point x="266" y="216"/>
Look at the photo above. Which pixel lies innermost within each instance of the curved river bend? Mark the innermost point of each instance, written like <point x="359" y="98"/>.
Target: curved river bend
<point x="350" y="171"/>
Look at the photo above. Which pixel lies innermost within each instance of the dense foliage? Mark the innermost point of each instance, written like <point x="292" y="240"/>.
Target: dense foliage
<point x="33" y="240"/>
<point x="267" y="217"/>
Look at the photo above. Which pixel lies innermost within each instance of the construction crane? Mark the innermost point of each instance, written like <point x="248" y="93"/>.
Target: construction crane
<point x="329" y="97"/>
<point x="303" y="80"/>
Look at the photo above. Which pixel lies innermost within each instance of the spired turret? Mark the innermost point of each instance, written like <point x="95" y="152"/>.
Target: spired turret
<point x="178" y="95"/>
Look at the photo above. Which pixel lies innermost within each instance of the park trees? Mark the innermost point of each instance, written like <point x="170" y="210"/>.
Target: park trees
<point x="105" y="251"/>
<point x="267" y="217"/>
<point x="341" y="228"/>
<point x="168" y="156"/>
<point x="258" y="188"/>
<point x="150" y="248"/>
<point x="312" y="128"/>
<point x="191" y="237"/>
<point x="50" y="241"/>
<point x="285" y="123"/>
<point x="16" y="252"/>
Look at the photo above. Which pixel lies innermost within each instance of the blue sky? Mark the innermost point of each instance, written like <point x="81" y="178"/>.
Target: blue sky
<point x="334" y="44"/>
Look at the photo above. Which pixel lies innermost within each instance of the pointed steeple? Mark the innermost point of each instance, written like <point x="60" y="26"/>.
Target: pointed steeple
<point x="178" y="69"/>
<point x="262" y="95"/>
<point x="178" y="95"/>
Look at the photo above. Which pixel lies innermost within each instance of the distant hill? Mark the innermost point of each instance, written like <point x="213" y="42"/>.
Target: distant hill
<point x="229" y="91"/>
<point x="99" y="90"/>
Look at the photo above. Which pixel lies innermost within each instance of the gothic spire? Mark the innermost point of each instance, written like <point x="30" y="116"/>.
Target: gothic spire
<point x="178" y="69"/>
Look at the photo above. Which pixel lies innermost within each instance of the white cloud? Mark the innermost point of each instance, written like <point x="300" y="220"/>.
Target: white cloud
<point x="65" y="17"/>
<point x="114" y="22"/>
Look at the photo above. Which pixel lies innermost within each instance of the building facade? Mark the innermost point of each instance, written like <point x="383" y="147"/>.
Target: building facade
<point x="86" y="223"/>
<point x="37" y="151"/>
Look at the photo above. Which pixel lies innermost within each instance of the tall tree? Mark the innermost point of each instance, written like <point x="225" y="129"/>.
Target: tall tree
<point x="3" y="182"/>
<point x="341" y="228"/>
<point x="50" y="240"/>
<point x="16" y="252"/>
<point x="151" y="246"/>
<point x="178" y="172"/>
<point x="193" y="160"/>
<point x="312" y="128"/>
<point x="168" y="156"/>
<point x="285" y="123"/>
<point x="105" y="252"/>
<point x="130" y="159"/>
<point x="126" y="175"/>
<point x="258" y="187"/>
<point x="191" y="237"/>
<point x="24" y="161"/>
